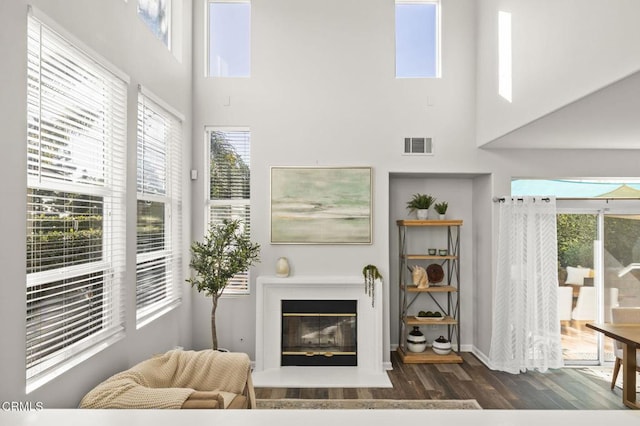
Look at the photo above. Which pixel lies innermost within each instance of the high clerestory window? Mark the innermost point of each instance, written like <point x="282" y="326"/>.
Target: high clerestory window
<point x="229" y="38"/>
<point x="417" y="38"/>
<point x="505" y="66"/>
<point x="156" y="14"/>
<point x="75" y="260"/>
<point x="229" y="181"/>
<point x="158" y="248"/>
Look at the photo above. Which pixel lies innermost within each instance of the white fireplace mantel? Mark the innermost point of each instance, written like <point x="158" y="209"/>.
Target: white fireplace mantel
<point x="268" y="372"/>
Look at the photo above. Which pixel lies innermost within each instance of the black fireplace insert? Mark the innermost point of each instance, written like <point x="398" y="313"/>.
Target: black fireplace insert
<point x="319" y="333"/>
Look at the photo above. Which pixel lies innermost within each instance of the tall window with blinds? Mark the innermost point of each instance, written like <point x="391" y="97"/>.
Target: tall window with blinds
<point x="76" y="134"/>
<point x="159" y="199"/>
<point x="229" y="185"/>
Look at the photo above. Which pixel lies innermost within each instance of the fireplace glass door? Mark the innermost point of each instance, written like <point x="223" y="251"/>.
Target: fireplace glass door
<point x="319" y="332"/>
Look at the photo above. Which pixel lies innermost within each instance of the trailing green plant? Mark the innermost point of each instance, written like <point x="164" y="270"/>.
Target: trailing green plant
<point x="420" y="202"/>
<point x="225" y="252"/>
<point x="441" y="207"/>
<point x="371" y="274"/>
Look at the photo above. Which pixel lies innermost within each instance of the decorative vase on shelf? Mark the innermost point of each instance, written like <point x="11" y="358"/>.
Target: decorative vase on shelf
<point x="442" y="216"/>
<point x="416" y="342"/>
<point x="441" y="346"/>
<point x="282" y="267"/>
<point x="423" y="214"/>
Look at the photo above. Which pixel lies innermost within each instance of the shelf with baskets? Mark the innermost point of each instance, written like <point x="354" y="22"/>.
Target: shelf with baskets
<point x="442" y="296"/>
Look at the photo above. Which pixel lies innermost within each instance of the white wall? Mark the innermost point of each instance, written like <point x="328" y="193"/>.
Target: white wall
<point x="322" y="92"/>
<point x="563" y="51"/>
<point x="458" y="192"/>
<point x="112" y="30"/>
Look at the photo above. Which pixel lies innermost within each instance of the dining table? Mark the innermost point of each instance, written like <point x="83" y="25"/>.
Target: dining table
<point x="629" y="334"/>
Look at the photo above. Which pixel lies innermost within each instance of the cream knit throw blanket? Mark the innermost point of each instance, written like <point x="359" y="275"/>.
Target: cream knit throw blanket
<point x="167" y="380"/>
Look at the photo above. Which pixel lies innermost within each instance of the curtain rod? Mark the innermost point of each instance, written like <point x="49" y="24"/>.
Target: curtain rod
<point x="502" y="199"/>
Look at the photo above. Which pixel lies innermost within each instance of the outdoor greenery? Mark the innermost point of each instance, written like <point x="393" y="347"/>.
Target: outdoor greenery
<point x="576" y="233"/>
<point x="622" y="238"/>
<point x="230" y="175"/>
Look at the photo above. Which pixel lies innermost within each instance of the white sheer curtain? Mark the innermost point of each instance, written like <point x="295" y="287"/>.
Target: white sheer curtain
<point x="526" y="329"/>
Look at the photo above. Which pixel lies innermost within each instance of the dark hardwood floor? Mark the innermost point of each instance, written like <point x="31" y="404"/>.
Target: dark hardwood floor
<point x="566" y="388"/>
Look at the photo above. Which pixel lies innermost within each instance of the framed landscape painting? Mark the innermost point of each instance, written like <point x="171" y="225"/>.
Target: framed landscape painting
<point x="321" y="205"/>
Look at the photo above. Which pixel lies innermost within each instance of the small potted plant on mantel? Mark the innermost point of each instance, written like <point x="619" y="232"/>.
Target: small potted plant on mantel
<point x="441" y="208"/>
<point x="371" y="275"/>
<point x="420" y="203"/>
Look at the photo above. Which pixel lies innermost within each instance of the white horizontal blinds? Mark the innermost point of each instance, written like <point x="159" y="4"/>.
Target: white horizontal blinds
<point x="76" y="118"/>
<point x="229" y="185"/>
<point x="159" y="261"/>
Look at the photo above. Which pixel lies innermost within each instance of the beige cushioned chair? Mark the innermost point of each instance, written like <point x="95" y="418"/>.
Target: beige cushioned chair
<point x="623" y="316"/>
<point x="179" y="379"/>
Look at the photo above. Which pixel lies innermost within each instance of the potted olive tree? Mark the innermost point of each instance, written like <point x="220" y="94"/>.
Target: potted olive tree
<point x="225" y="252"/>
<point x="420" y="203"/>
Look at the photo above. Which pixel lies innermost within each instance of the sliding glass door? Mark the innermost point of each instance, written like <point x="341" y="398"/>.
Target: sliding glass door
<point x="598" y="256"/>
<point x="595" y="251"/>
<point x="578" y="239"/>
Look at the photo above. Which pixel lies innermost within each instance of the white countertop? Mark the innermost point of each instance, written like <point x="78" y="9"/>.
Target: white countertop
<point x="75" y="417"/>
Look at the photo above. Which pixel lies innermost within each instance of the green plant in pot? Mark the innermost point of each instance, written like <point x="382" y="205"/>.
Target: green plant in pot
<point x="420" y="203"/>
<point x="441" y="208"/>
<point x="371" y="274"/>
<point x="225" y="252"/>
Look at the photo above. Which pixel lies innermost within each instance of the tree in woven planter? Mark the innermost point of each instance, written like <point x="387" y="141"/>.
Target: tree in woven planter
<point x="225" y="252"/>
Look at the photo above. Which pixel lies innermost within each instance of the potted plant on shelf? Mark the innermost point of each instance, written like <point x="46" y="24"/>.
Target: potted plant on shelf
<point x="225" y="252"/>
<point x="441" y="208"/>
<point x="420" y="203"/>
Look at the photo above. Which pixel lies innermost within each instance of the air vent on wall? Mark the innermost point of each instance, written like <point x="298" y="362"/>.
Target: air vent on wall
<point x="418" y="146"/>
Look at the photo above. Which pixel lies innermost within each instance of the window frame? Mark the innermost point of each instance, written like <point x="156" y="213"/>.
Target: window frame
<point x="110" y="187"/>
<point x="207" y="43"/>
<point x="244" y="287"/>
<point x="169" y="13"/>
<point x="437" y="41"/>
<point x="170" y="255"/>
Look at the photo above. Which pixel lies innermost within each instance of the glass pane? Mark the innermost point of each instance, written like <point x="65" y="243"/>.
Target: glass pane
<point x="153" y="134"/>
<point x="577" y="293"/>
<point x="229" y="39"/>
<point x="416" y="40"/>
<point x="230" y="174"/>
<point x="61" y="313"/>
<point x="621" y="281"/>
<point x="318" y="333"/>
<point x="150" y="227"/>
<point x="63" y="229"/>
<point x="151" y="277"/>
<point x="155" y="13"/>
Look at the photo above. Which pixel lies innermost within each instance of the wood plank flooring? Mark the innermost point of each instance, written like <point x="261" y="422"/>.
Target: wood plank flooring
<point x="566" y="388"/>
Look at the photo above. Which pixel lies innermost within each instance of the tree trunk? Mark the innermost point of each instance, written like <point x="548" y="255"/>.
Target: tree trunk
<point x="214" y="334"/>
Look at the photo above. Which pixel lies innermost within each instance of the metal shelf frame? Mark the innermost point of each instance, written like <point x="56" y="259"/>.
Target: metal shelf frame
<point x="409" y="294"/>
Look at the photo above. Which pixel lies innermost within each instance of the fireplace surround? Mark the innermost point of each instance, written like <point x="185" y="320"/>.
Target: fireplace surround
<point x="269" y="372"/>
